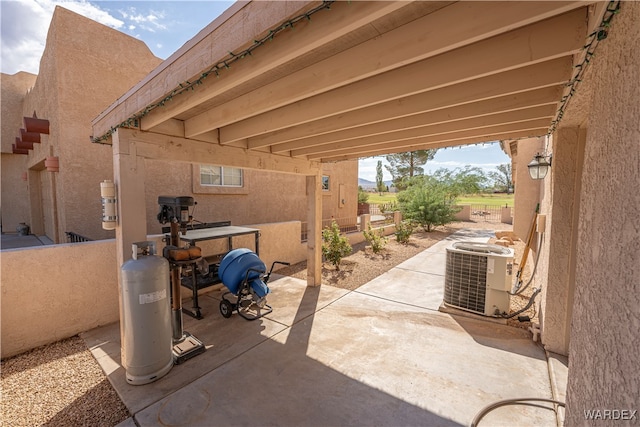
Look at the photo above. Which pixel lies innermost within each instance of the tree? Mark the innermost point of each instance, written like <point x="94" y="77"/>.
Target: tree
<point x="379" y="183"/>
<point x="430" y="200"/>
<point x="404" y="166"/>
<point x="503" y="179"/>
<point x="468" y="180"/>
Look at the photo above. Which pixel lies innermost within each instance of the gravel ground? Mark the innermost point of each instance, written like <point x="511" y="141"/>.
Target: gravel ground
<point x="363" y="265"/>
<point x="61" y="384"/>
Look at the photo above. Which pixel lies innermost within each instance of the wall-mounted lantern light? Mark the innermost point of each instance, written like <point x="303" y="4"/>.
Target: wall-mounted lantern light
<point x="539" y="166"/>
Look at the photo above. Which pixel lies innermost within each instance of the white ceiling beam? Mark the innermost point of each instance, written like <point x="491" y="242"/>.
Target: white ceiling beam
<point x="545" y="96"/>
<point x="418" y="145"/>
<point x="486" y="124"/>
<point x="342" y="19"/>
<point x="558" y="36"/>
<point x="422" y="38"/>
<point x="537" y="76"/>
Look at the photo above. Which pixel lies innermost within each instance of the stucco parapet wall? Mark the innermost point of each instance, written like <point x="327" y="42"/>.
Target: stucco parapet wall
<point x="57" y="291"/>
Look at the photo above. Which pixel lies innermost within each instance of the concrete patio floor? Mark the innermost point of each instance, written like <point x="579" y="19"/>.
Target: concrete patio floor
<point x="380" y="355"/>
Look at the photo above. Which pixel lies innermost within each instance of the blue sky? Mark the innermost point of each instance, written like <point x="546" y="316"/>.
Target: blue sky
<point x="165" y="26"/>
<point x="486" y="156"/>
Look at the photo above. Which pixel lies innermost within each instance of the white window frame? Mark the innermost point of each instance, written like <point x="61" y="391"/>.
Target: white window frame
<point x="207" y="170"/>
<point x="327" y="179"/>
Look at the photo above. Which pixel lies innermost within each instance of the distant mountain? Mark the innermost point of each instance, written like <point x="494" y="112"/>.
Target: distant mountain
<point x="365" y="183"/>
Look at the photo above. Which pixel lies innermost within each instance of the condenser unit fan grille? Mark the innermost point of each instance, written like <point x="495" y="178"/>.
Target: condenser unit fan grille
<point x="466" y="281"/>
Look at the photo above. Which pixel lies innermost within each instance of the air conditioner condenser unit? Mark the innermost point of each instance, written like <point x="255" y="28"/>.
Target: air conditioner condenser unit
<point x="478" y="277"/>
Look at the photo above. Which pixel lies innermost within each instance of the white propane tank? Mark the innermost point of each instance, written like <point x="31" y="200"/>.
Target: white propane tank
<point x="147" y="332"/>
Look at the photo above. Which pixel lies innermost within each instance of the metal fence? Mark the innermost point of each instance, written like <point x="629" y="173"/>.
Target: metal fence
<point x="76" y="238"/>
<point x="486" y="213"/>
<point x="347" y="225"/>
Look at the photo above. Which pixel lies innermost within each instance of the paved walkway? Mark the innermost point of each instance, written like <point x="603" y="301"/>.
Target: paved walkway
<point x="381" y="355"/>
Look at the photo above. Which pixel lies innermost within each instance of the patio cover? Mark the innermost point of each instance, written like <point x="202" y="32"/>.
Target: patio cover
<point x="286" y="86"/>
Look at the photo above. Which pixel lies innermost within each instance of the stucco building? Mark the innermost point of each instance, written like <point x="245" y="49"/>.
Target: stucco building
<point x="83" y="57"/>
<point x="589" y="300"/>
<point x="495" y="70"/>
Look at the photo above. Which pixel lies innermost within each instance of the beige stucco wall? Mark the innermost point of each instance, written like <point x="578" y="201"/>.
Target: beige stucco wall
<point x="589" y="257"/>
<point x="54" y="292"/>
<point x="106" y="63"/>
<point x="265" y="196"/>
<point x="14" y="200"/>
<point x="556" y="272"/>
<point x="604" y="372"/>
<point x="528" y="192"/>
<point x="57" y="291"/>
<point x="84" y="68"/>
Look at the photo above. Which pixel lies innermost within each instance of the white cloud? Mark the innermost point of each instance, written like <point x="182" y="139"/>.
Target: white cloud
<point x="151" y="21"/>
<point x="367" y="169"/>
<point x="25" y="24"/>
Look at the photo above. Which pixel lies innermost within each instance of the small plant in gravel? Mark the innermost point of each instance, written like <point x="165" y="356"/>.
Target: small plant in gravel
<point x="375" y="238"/>
<point x="404" y="230"/>
<point x="335" y="246"/>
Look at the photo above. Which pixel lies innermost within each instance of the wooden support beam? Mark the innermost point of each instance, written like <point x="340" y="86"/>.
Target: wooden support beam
<point x="175" y="127"/>
<point x="305" y="37"/>
<point x="425" y="37"/>
<point x="129" y="178"/>
<point x="540" y="97"/>
<point x="449" y="129"/>
<point x="479" y="133"/>
<point x="543" y="75"/>
<point x="556" y="37"/>
<point x="422" y="145"/>
<point x="163" y="147"/>
<point x="314" y="231"/>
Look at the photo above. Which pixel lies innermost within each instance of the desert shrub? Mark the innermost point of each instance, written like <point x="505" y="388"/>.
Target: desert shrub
<point x="429" y="202"/>
<point x="375" y="238"/>
<point x="335" y="246"/>
<point x="404" y="230"/>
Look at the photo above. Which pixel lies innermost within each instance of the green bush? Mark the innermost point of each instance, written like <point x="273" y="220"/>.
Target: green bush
<point x="428" y="203"/>
<point x="376" y="239"/>
<point x="404" y="230"/>
<point x="335" y="246"/>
